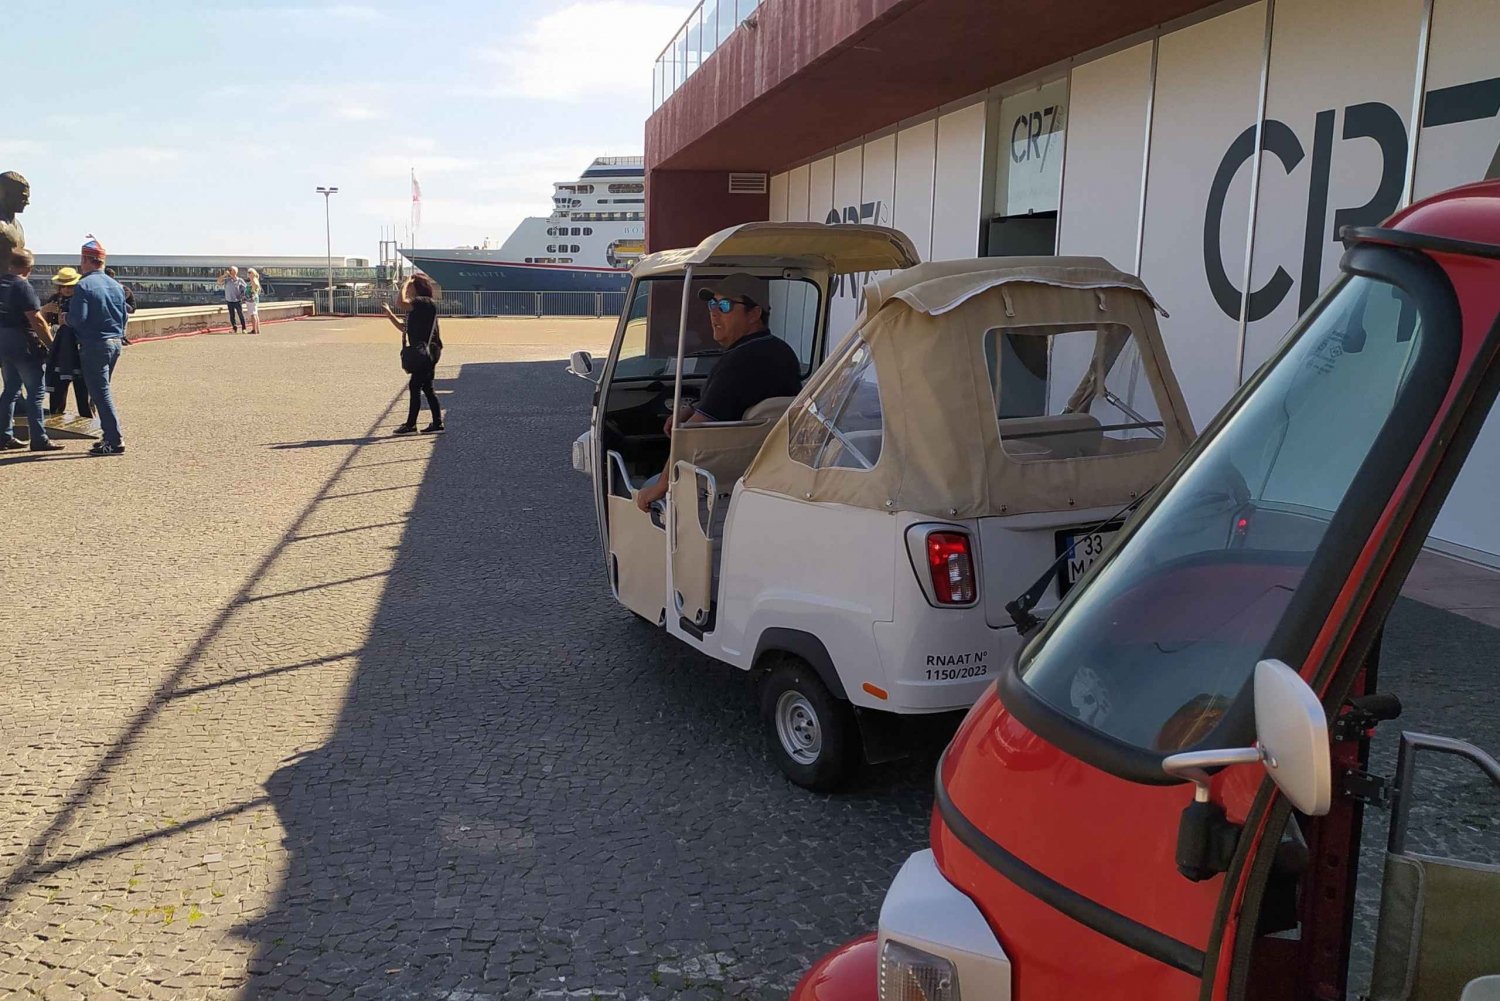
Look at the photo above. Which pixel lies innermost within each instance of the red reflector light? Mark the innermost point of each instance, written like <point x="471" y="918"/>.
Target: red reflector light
<point x="952" y="567"/>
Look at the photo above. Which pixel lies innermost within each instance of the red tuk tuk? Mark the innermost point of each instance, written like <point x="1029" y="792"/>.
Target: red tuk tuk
<point x="1161" y="798"/>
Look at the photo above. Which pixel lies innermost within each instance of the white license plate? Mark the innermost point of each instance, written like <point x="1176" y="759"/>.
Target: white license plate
<point x="1082" y="550"/>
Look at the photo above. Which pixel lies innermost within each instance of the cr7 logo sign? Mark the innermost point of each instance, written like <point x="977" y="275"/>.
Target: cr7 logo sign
<point x="866" y="212"/>
<point x="1370" y="121"/>
<point x="1028" y="131"/>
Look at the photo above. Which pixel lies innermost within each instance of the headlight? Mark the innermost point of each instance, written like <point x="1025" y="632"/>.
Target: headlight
<point x="932" y="937"/>
<point x="909" y="974"/>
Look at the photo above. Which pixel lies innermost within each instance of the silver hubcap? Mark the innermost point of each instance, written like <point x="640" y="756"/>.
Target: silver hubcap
<point x="798" y="729"/>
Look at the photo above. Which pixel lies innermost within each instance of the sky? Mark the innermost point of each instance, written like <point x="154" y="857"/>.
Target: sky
<point x="171" y="127"/>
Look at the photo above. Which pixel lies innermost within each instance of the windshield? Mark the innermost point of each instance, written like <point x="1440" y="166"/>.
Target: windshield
<point x="648" y="347"/>
<point x="1158" y="645"/>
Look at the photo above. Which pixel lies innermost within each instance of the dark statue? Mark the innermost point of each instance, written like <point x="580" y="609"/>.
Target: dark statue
<point x="15" y="195"/>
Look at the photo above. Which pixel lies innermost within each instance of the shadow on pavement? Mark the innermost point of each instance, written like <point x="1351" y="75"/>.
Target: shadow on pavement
<point x="332" y="442"/>
<point x="530" y="793"/>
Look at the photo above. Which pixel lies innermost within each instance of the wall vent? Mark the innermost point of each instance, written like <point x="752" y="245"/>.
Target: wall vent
<point x="747" y="184"/>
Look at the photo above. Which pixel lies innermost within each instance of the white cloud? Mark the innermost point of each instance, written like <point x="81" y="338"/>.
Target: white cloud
<point x="589" y="47"/>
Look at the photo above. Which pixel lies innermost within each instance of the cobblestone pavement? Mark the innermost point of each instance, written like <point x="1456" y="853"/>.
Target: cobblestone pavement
<point x="298" y="709"/>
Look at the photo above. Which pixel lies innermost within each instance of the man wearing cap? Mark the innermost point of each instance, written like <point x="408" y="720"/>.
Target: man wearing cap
<point x="97" y="316"/>
<point x="756" y="365"/>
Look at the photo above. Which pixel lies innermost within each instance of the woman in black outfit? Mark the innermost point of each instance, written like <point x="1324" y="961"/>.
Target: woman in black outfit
<point x="419" y="328"/>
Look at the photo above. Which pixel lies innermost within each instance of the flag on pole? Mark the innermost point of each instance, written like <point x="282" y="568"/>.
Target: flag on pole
<point x="416" y="201"/>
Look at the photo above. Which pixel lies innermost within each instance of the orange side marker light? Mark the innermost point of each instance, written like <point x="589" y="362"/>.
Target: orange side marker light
<point x="879" y="693"/>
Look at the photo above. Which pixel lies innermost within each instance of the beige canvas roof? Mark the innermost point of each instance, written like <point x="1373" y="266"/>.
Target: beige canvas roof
<point x="939" y="286"/>
<point x="941" y="450"/>
<point x="841" y="249"/>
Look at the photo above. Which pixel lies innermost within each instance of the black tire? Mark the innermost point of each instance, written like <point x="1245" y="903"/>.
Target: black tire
<point x="811" y="734"/>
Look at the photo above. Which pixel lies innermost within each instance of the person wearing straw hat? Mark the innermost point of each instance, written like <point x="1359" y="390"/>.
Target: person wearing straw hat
<point x="63" y="364"/>
<point x="97" y="316"/>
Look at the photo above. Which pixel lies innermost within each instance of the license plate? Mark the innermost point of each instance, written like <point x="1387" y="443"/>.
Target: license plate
<point x="1082" y="550"/>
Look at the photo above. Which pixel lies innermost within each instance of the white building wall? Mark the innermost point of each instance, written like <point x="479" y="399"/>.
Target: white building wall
<point x="1460" y="142"/>
<point x="1338" y="67"/>
<point x="925" y="180"/>
<point x="1340" y="83"/>
<point x="959" y="181"/>
<point x="916" y="158"/>
<point x="1207" y="90"/>
<point x="1102" y="163"/>
<point x="779" y="191"/>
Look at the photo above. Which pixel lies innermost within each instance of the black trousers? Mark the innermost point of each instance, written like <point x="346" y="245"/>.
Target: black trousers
<point x="237" y="308"/>
<point x="421" y="385"/>
<point x="60" y="397"/>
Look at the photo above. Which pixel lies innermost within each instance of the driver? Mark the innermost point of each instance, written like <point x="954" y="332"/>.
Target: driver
<point x="756" y="364"/>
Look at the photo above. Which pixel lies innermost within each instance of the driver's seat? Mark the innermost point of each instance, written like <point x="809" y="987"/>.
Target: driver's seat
<point x="769" y="409"/>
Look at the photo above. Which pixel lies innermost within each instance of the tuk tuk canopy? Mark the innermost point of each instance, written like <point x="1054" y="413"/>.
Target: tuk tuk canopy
<point x="840" y="250"/>
<point x="983" y="388"/>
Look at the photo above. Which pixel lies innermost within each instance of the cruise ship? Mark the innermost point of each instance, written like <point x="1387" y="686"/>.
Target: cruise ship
<point x="596" y="232"/>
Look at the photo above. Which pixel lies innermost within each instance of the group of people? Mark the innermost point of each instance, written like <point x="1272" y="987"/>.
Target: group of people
<point x="242" y="296"/>
<point x="90" y="312"/>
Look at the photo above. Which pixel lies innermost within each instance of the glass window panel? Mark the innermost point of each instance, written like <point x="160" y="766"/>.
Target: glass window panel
<point x="1033" y="126"/>
<point x="842" y="424"/>
<point x="1065" y="393"/>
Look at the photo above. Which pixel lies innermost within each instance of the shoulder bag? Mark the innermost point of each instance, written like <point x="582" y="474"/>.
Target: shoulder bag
<point x="417" y="356"/>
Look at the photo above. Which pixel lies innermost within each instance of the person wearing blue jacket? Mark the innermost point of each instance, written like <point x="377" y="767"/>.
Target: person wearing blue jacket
<point x="97" y="316"/>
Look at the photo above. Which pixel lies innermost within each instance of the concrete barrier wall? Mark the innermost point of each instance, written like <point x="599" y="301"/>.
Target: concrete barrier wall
<point x="146" y="324"/>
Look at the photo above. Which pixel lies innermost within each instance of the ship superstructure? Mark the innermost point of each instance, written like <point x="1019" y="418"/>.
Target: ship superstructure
<point x="595" y="233"/>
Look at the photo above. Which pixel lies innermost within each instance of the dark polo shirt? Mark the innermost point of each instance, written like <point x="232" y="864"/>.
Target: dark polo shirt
<point x="758" y="367"/>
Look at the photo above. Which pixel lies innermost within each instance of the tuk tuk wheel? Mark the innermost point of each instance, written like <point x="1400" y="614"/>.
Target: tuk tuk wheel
<point x="811" y="734"/>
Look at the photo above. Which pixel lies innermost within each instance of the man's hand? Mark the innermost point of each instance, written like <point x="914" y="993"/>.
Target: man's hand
<point x="646" y="496"/>
<point x="684" y="416"/>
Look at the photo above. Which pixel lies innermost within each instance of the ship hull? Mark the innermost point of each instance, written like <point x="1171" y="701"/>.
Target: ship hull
<point x="457" y="275"/>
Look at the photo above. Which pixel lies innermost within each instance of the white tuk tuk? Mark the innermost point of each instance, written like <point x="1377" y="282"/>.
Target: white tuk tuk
<point x="984" y="422"/>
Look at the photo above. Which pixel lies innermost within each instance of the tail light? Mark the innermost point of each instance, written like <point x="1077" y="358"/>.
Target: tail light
<point x="950" y="560"/>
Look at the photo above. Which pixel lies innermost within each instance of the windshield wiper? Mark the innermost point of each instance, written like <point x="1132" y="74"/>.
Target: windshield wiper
<point x="1019" y="608"/>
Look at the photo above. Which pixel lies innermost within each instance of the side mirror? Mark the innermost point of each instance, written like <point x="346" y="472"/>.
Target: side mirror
<point x="1291" y="742"/>
<point x="581" y="364"/>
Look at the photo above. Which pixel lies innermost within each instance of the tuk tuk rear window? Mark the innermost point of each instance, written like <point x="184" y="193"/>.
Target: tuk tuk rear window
<point x="1164" y="634"/>
<point x="1067" y="392"/>
<point x="648" y="343"/>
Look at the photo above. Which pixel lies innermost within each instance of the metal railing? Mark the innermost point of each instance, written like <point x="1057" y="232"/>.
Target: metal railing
<point x="706" y="28"/>
<point x="451" y="303"/>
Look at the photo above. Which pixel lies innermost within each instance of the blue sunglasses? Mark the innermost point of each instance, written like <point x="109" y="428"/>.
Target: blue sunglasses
<point x="723" y="305"/>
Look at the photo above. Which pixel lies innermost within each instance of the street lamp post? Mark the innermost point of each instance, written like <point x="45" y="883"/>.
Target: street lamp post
<point x="328" y="231"/>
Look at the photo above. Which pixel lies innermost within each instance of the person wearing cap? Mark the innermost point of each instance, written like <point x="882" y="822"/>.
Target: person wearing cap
<point x="97" y="316"/>
<point x="63" y="365"/>
<point x="756" y="365"/>
<point x="24" y="339"/>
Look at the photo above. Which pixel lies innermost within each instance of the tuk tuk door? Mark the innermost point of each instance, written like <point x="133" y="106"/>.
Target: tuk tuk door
<point x="1286" y="537"/>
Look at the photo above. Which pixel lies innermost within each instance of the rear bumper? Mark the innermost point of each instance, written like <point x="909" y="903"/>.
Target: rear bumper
<point x="848" y="973"/>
